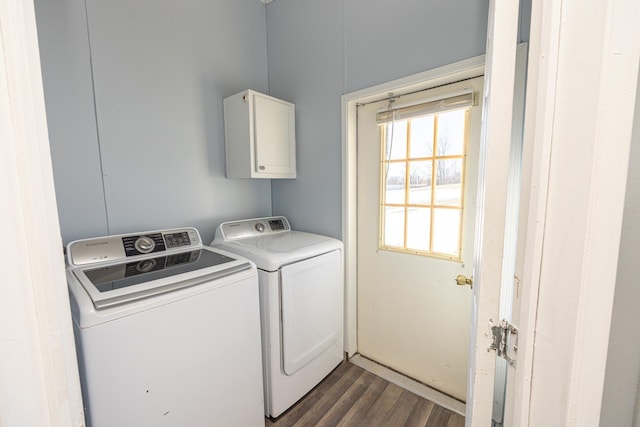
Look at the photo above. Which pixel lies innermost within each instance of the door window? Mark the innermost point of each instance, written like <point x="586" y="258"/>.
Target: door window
<point x="422" y="182"/>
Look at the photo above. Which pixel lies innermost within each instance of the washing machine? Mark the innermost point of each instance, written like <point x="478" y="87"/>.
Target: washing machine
<point x="301" y="300"/>
<point x="167" y="331"/>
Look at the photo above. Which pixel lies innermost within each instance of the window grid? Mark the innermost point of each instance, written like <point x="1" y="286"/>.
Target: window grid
<point x="385" y="163"/>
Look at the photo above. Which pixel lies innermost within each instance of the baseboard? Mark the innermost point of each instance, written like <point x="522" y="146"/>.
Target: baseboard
<point x="409" y="384"/>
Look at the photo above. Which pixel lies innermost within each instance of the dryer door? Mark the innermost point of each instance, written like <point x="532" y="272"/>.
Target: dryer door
<point x="312" y="307"/>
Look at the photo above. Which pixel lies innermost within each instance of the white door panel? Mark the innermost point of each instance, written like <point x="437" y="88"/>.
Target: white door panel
<point x="411" y="315"/>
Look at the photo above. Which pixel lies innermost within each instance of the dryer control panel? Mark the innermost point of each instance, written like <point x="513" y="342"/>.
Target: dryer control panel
<point x="122" y="246"/>
<point x="234" y="230"/>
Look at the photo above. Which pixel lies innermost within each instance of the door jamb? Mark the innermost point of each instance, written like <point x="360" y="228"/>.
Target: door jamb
<point x="38" y="346"/>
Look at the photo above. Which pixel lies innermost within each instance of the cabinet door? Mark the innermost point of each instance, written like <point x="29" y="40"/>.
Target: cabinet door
<point x="274" y="137"/>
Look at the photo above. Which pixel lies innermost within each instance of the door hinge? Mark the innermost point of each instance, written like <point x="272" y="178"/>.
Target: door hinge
<point x="505" y="341"/>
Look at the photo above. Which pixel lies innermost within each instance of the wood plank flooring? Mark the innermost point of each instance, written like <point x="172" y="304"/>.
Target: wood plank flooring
<point x="351" y="396"/>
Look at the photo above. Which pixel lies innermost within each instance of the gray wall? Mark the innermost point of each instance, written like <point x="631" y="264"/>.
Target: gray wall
<point x="621" y="400"/>
<point x="160" y="72"/>
<point x="153" y="156"/>
<point x="66" y="73"/>
<point x="319" y="51"/>
<point x="306" y="66"/>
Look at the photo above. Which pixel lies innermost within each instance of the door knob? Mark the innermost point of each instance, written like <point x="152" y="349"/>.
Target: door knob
<point x="462" y="280"/>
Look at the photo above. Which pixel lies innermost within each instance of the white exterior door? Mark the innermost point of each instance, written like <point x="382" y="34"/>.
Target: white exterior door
<point x="412" y="316"/>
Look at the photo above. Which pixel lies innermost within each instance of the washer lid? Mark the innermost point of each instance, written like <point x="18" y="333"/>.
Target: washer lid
<point x="114" y="283"/>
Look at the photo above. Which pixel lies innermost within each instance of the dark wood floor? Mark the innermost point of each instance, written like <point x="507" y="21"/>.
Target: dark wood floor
<point x="351" y="396"/>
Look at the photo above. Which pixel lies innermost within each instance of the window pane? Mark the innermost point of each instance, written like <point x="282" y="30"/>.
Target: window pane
<point x="422" y="137"/>
<point x="451" y="133"/>
<point x="446" y="231"/>
<point x="420" y="182"/>
<point x="449" y="182"/>
<point x="394" y="226"/>
<point x="394" y="191"/>
<point x="423" y="161"/>
<point x="396" y="143"/>
<point x="418" y="228"/>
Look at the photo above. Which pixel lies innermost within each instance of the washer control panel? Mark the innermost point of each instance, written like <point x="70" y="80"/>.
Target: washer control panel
<point x="144" y="244"/>
<point x="122" y="246"/>
<point x="234" y="230"/>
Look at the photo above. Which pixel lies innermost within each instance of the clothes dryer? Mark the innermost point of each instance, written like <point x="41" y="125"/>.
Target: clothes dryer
<point x="167" y="331"/>
<point x="302" y="303"/>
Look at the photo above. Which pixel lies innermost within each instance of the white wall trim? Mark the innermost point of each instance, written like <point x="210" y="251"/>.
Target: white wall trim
<point x="468" y="68"/>
<point x="40" y="384"/>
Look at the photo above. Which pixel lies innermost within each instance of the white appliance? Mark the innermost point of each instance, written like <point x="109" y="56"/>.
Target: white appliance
<point x="167" y="331"/>
<point x="301" y="296"/>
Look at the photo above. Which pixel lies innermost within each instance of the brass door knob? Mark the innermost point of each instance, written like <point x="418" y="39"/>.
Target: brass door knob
<point x="462" y="280"/>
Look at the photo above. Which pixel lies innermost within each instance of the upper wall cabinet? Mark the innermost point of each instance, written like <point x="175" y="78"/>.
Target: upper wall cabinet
<point x="259" y="136"/>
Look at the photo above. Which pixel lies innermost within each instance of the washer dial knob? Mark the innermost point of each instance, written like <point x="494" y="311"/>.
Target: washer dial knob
<point x="259" y="227"/>
<point x="144" y="244"/>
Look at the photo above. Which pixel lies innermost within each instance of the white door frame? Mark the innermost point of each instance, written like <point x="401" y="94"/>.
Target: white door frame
<point x="450" y="73"/>
<point x="493" y="184"/>
<point x="581" y="93"/>
<point x="40" y="384"/>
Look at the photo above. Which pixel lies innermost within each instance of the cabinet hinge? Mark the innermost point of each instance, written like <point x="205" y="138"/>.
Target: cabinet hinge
<point x="505" y="340"/>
